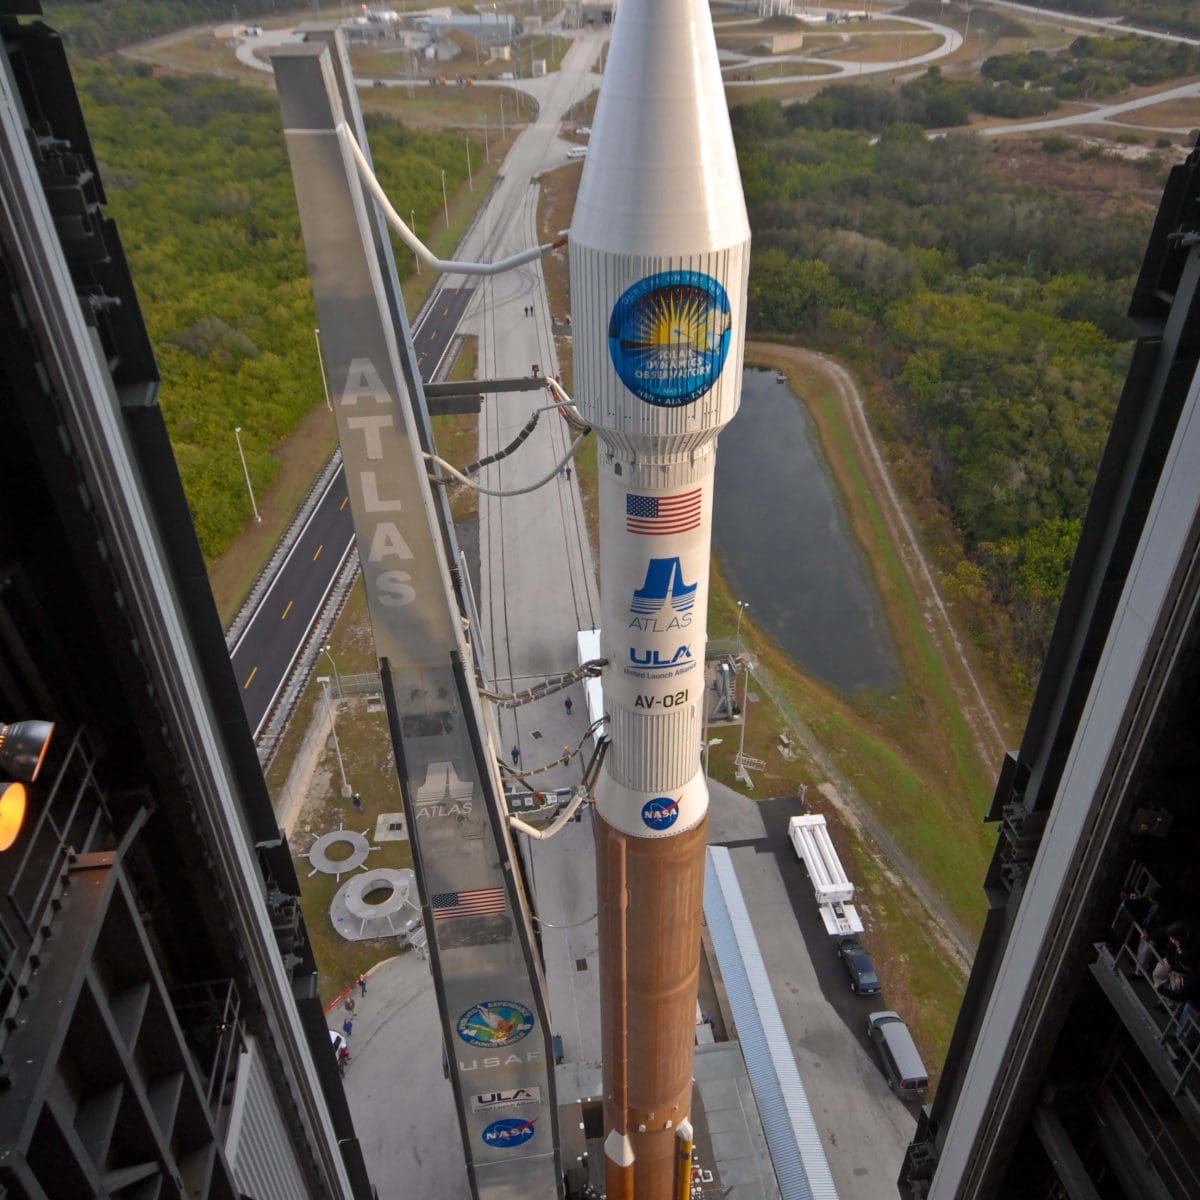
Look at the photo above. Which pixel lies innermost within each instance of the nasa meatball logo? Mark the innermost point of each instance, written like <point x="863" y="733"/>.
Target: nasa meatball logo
<point x="494" y="1023"/>
<point x="508" y="1132"/>
<point x="660" y="813"/>
<point x="668" y="336"/>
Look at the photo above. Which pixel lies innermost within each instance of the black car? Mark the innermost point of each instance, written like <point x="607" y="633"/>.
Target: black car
<point x="859" y="966"/>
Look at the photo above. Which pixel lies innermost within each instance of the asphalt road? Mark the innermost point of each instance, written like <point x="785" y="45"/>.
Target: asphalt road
<point x="263" y="656"/>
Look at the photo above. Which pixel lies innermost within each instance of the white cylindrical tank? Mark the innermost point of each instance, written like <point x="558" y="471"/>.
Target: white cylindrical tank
<point x="659" y="253"/>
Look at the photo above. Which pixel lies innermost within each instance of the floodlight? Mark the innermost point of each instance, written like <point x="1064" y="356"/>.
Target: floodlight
<point x="12" y="813"/>
<point x="23" y="747"/>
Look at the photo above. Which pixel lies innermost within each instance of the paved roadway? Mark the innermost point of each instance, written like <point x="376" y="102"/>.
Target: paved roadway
<point x="538" y="580"/>
<point x="263" y="655"/>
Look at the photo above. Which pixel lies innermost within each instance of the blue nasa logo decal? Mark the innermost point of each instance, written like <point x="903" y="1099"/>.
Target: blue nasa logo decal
<point x="668" y="336"/>
<point x="660" y="813"/>
<point x="494" y="1023"/>
<point x="508" y="1132"/>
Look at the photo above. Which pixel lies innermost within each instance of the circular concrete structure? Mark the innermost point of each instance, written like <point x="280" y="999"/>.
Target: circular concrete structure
<point x="318" y="853"/>
<point x="356" y="917"/>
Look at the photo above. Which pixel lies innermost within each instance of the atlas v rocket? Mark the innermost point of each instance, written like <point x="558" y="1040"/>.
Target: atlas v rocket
<point x="660" y="249"/>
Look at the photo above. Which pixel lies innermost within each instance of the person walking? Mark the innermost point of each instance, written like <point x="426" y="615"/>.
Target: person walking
<point x="362" y="984"/>
<point x="566" y="758"/>
<point x="350" y="1004"/>
<point x="568" y="474"/>
<point x="516" y="754"/>
<point x="347" y="1027"/>
<point x="568" y="704"/>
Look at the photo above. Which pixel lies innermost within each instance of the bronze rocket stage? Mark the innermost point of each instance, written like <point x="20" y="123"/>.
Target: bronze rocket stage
<point x="649" y="971"/>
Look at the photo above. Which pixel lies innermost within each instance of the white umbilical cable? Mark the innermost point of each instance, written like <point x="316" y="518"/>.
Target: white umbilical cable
<point x="550" y="830"/>
<point x="502" y="492"/>
<point x="414" y="243"/>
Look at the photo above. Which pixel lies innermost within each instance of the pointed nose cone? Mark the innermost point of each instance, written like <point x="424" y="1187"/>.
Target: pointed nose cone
<point x="661" y="176"/>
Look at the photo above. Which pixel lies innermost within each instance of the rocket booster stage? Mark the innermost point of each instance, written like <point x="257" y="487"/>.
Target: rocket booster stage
<point x="659" y="256"/>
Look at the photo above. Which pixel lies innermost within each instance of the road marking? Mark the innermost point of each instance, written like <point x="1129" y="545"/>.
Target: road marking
<point x="345" y="501"/>
<point x="248" y="678"/>
<point x="446" y="311"/>
<point x="318" y="553"/>
<point x="433" y="335"/>
<point x="286" y="611"/>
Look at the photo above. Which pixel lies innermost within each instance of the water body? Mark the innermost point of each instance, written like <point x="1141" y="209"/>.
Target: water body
<point x="785" y="544"/>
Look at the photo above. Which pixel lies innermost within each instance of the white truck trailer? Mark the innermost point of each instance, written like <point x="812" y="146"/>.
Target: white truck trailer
<point x="832" y="890"/>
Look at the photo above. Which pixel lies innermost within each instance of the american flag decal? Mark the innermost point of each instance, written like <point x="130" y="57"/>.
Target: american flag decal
<point x="662" y="514"/>
<point x="471" y="902"/>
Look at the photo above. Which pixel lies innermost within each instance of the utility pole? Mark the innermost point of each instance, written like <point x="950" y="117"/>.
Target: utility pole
<point x="237" y="433"/>
<point x="321" y="364"/>
<point x="323" y="680"/>
<point x="412" y="224"/>
<point x="445" y="202"/>
<point x="470" y="178"/>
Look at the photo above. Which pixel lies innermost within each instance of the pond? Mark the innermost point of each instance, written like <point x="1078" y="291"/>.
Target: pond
<point x="785" y="543"/>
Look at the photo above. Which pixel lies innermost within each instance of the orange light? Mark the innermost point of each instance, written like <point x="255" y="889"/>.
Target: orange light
<point x="12" y="813"/>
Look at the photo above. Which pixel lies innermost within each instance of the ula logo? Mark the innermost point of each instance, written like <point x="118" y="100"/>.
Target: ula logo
<point x="660" y="813"/>
<point x="652" y="660"/>
<point x="664" y="585"/>
<point x="508" y="1132"/>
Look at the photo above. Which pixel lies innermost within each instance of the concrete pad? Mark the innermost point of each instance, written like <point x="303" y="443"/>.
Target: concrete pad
<point x="402" y="1105"/>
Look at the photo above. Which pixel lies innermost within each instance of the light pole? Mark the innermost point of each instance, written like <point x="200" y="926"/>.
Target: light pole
<point x="412" y="224"/>
<point x="470" y="179"/>
<point x="321" y="364"/>
<point x="737" y="637"/>
<point x="445" y="202"/>
<point x="487" y="150"/>
<point x="328" y="652"/>
<point x="708" y="745"/>
<point x="237" y="433"/>
<point x="323" y="680"/>
<point x="503" y="134"/>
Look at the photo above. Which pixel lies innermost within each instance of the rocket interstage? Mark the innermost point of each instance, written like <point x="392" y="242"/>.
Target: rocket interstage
<point x="659" y="254"/>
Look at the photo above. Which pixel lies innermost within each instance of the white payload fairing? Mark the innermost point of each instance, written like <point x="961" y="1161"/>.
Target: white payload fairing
<point x="660" y="249"/>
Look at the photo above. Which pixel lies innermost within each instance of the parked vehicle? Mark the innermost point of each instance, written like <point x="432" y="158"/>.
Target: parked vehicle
<point x="859" y="966"/>
<point x="902" y="1066"/>
<point x="832" y="889"/>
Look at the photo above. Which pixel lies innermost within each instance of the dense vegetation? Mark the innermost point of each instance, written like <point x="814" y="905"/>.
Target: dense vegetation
<point x="931" y="101"/>
<point x="92" y="28"/>
<point x="1174" y="16"/>
<point x="992" y="313"/>
<point x="197" y="177"/>
<point x="1092" y="67"/>
<point x="1016" y="86"/>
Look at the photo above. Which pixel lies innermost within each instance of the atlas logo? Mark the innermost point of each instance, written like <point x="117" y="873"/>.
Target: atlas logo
<point x="508" y="1132"/>
<point x="664" y="588"/>
<point x="660" y="813"/>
